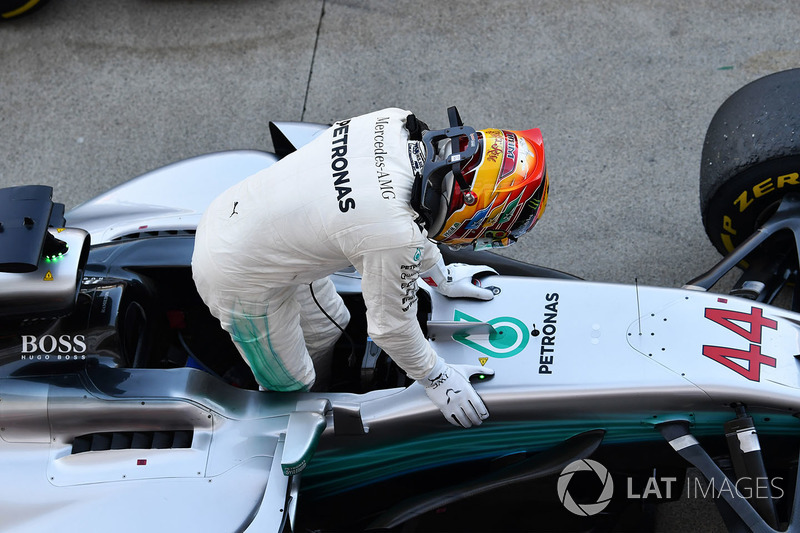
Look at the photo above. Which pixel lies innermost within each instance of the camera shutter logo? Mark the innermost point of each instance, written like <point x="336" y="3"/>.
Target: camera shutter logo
<point x="585" y="509"/>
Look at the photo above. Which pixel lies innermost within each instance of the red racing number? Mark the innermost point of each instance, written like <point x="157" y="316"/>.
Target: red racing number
<point x="728" y="356"/>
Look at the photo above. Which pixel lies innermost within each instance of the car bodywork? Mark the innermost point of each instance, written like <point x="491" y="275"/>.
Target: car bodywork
<point x="92" y="428"/>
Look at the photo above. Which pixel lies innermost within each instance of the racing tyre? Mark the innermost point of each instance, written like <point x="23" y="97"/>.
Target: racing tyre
<point x="751" y="158"/>
<point x="11" y="9"/>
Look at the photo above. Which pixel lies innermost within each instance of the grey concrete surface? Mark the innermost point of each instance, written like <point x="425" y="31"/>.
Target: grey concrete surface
<point x="94" y="92"/>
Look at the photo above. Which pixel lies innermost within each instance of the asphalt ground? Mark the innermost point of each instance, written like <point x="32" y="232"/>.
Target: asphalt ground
<point x="94" y="92"/>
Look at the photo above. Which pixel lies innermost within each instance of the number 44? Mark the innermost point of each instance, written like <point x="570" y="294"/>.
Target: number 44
<point x="728" y="356"/>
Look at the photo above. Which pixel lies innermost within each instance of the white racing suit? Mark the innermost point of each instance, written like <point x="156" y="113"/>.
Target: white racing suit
<point x="342" y="199"/>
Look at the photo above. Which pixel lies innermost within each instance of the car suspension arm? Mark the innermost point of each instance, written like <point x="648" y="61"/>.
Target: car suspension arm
<point x="682" y="441"/>
<point x="787" y="217"/>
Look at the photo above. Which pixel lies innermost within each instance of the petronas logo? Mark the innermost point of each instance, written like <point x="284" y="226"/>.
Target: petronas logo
<point x="509" y="338"/>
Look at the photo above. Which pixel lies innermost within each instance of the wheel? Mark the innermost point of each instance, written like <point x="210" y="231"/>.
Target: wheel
<point x="10" y="9"/>
<point x="751" y="158"/>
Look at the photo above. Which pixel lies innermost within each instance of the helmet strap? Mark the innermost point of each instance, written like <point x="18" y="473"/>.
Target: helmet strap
<point x="415" y="127"/>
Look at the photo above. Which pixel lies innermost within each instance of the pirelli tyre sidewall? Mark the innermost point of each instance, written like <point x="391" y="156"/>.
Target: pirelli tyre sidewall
<point x="751" y="158"/>
<point x="11" y="9"/>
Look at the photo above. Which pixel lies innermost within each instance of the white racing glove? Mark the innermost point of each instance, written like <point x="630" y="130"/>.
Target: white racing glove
<point x="449" y="389"/>
<point x="455" y="280"/>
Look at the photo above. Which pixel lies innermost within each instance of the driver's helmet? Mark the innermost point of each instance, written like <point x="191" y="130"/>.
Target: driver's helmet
<point x="489" y="191"/>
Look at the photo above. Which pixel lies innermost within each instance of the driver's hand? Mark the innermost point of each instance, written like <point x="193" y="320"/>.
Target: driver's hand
<point x="448" y="387"/>
<point x="456" y="280"/>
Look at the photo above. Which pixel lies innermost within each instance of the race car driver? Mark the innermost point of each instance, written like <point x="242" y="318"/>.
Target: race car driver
<point x="377" y="192"/>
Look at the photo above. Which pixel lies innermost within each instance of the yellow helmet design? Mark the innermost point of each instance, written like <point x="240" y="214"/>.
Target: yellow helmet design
<point x="484" y="188"/>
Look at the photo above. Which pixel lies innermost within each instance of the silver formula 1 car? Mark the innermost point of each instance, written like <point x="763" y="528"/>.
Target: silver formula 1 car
<point x="125" y="407"/>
